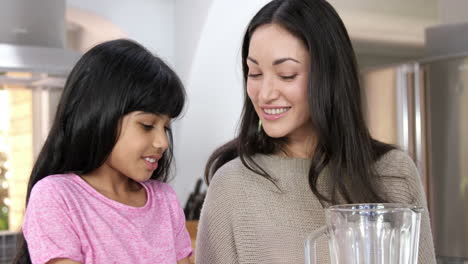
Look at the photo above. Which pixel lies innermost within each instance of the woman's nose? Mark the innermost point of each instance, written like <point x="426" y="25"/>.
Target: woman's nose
<point x="268" y="90"/>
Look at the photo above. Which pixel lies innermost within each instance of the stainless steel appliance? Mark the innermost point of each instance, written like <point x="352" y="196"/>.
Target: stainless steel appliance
<point x="423" y="108"/>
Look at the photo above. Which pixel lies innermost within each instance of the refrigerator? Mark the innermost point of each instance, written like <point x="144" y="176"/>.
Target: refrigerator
<point x="422" y="107"/>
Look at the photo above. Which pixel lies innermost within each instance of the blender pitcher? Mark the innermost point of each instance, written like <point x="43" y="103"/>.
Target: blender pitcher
<point x="369" y="234"/>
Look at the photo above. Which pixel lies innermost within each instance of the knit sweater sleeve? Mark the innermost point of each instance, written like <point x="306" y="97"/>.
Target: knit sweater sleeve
<point x="403" y="184"/>
<point x="215" y="238"/>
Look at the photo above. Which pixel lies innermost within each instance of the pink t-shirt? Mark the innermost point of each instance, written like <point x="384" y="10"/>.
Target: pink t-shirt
<point x="67" y="218"/>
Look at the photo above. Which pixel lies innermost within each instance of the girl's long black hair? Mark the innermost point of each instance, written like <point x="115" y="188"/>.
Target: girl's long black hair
<point x="109" y="81"/>
<point x="344" y="144"/>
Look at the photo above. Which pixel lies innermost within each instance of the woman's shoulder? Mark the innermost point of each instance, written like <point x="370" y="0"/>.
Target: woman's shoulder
<point x="224" y="194"/>
<point x="229" y="177"/>
<point x="400" y="178"/>
<point x="230" y="172"/>
<point x="396" y="163"/>
<point x="234" y="166"/>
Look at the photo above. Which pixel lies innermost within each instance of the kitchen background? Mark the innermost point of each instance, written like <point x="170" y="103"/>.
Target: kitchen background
<point x="201" y="39"/>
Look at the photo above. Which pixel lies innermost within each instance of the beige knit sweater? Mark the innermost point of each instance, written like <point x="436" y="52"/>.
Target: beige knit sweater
<point x="246" y="219"/>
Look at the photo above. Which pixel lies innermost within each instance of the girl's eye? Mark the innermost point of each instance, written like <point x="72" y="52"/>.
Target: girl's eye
<point x="251" y="75"/>
<point x="168" y="132"/>
<point x="147" y="127"/>
<point x="288" y="77"/>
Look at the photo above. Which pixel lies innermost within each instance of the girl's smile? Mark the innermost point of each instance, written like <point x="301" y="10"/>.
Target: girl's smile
<point x="152" y="161"/>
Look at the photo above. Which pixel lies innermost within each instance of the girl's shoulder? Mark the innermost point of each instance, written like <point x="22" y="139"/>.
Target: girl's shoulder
<point x="164" y="194"/>
<point x="53" y="191"/>
<point x="161" y="188"/>
<point x="52" y="183"/>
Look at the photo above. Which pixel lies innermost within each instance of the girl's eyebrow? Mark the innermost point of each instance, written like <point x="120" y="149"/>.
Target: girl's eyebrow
<point x="146" y="113"/>
<point x="167" y="122"/>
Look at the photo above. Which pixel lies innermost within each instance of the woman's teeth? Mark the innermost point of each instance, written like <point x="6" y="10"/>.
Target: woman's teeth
<point x="275" y="111"/>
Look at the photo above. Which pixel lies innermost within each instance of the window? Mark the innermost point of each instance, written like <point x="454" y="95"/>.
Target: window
<point x="27" y="107"/>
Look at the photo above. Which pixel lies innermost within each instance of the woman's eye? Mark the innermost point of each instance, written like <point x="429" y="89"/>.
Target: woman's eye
<point x="288" y="77"/>
<point x="254" y="75"/>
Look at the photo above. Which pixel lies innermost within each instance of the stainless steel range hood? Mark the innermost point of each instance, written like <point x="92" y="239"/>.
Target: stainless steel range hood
<point x="36" y="59"/>
<point x="32" y="39"/>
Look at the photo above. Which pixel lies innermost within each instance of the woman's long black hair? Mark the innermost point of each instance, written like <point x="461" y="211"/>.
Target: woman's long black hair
<point x="344" y="144"/>
<point x="109" y="81"/>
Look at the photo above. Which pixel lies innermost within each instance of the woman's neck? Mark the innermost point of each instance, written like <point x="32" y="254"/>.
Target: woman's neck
<point x="300" y="146"/>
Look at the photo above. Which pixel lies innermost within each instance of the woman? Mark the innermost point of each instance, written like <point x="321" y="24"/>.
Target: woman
<point x="302" y="145"/>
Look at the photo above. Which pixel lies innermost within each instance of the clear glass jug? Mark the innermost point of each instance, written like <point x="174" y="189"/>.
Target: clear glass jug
<point x="369" y="234"/>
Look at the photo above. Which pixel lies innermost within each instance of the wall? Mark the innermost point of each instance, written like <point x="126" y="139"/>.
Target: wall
<point x="85" y="29"/>
<point x="387" y="32"/>
<point x="414" y="9"/>
<point x="214" y="87"/>
<point x="150" y="22"/>
<point x="190" y="19"/>
<point x="453" y="11"/>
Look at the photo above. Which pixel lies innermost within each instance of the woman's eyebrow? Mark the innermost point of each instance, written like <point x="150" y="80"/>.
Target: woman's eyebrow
<point x="279" y="61"/>
<point x="275" y="62"/>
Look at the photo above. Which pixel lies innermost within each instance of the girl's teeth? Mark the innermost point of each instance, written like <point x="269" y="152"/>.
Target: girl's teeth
<point x="276" y="111"/>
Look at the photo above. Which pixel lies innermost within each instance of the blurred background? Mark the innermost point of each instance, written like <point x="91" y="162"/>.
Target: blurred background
<point x="410" y="53"/>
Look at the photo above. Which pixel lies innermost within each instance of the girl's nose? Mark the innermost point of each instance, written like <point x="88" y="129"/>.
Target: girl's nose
<point x="161" y="141"/>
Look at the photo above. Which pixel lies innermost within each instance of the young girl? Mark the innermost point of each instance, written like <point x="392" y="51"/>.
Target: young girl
<point x="97" y="192"/>
<point x="302" y="144"/>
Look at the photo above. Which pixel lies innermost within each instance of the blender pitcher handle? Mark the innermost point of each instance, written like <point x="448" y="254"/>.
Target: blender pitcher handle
<point x="311" y="245"/>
